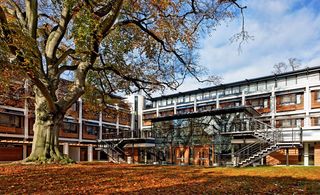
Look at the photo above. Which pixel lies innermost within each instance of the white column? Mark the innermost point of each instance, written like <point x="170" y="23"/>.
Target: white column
<point x="307" y="106"/>
<point x="132" y="121"/>
<point x="66" y="149"/>
<point x="117" y="123"/>
<point x="90" y="153"/>
<point x="243" y="98"/>
<point x="24" y="151"/>
<point x="306" y="154"/>
<point x="74" y="153"/>
<point x="80" y="119"/>
<point x="157" y="109"/>
<point x="175" y="108"/>
<point x="100" y="125"/>
<point x="26" y="112"/>
<point x="217" y="101"/>
<point x="195" y="104"/>
<point x="99" y="155"/>
<point x="273" y="106"/>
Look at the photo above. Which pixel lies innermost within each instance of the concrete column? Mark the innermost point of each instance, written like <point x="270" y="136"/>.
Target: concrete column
<point x="243" y="98"/>
<point x="307" y="106"/>
<point x="273" y="106"/>
<point x="90" y="153"/>
<point x="99" y="155"/>
<point x="217" y="101"/>
<point x="24" y="151"/>
<point x="174" y="108"/>
<point x="26" y="112"/>
<point x="145" y="156"/>
<point x="66" y="149"/>
<point x="100" y="125"/>
<point x="80" y="120"/>
<point x="157" y="109"/>
<point x="287" y="156"/>
<point x="117" y="124"/>
<point x="232" y="154"/>
<point x="74" y="153"/>
<point x="306" y="154"/>
<point x="195" y="104"/>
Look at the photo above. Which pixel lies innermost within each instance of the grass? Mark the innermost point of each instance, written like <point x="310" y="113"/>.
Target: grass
<point x="107" y="178"/>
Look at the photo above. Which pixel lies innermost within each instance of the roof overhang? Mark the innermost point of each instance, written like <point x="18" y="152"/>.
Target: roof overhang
<point x="249" y="110"/>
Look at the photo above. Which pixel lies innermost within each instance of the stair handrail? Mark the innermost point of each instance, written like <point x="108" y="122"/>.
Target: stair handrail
<point x="112" y="147"/>
<point x="248" y="150"/>
<point x="270" y="136"/>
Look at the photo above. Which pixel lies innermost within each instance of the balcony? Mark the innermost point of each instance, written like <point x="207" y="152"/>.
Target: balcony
<point x="290" y="102"/>
<point x="122" y="134"/>
<point x="315" y="99"/>
<point x="11" y="124"/>
<point x="70" y="130"/>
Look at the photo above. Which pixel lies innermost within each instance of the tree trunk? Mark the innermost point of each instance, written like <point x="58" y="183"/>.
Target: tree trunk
<point x="45" y="145"/>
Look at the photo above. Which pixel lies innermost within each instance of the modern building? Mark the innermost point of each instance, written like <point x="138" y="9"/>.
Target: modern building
<point x="282" y="128"/>
<point x="82" y="127"/>
<point x="268" y="120"/>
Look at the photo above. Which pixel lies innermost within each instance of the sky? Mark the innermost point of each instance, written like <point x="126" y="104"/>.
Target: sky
<point x="282" y="29"/>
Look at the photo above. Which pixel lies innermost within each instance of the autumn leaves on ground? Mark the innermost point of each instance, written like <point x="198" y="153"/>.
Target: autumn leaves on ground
<point x="106" y="178"/>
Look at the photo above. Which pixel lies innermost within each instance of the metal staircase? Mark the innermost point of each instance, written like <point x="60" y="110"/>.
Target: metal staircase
<point x="269" y="139"/>
<point x="114" y="152"/>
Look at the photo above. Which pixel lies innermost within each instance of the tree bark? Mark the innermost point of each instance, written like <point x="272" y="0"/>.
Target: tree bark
<point x="45" y="145"/>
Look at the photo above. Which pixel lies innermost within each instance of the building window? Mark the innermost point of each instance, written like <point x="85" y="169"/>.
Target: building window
<point x="8" y="120"/>
<point x="236" y="90"/>
<point x="286" y="123"/>
<point x="213" y="95"/>
<point x="259" y="103"/>
<point x="191" y="98"/>
<point x="180" y="100"/>
<point x="291" y="123"/>
<point x="199" y="96"/>
<point x="136" y="101"/>
<point x="206" y="96"/>
<point x="228" y="91"/>
<point x="265" y="103"/>
<point x="220" y="93"/>
<point x="298" y="99"/>
<point x="92" y="130"/>
<point x="291" y="99"/>
<point x="70" y="127"/>
<point x="318" y="96"/>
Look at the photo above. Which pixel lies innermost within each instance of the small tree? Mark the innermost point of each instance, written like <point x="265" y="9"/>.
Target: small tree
<point x="114" y="45"/>
<point x="282" y="67"/>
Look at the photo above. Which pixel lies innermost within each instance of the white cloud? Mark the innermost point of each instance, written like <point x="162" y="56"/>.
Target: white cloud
<point x="281" y="30"/>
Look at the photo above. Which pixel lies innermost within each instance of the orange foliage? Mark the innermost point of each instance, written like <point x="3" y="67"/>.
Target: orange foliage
<point x="104" y="178"/>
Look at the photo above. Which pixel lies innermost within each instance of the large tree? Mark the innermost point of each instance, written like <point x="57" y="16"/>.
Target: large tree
<point x="113" y="45"/>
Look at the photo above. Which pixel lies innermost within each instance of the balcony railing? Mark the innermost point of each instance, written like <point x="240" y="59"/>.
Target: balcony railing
<point x="120" y="135"/>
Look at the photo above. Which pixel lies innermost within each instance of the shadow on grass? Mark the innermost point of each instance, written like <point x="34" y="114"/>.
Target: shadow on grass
<point x="238" y="185"/>
<point x="140" y="179"/>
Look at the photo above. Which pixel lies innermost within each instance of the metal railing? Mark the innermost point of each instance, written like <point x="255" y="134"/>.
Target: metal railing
<point x="120" y="135"/>
<point x="269" y="139"/>
<point x="112" y="150"/>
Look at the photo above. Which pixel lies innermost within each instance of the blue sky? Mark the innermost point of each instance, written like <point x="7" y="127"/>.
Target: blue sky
<point x="282" y="29"/>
